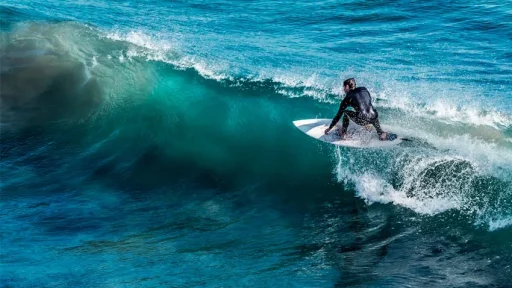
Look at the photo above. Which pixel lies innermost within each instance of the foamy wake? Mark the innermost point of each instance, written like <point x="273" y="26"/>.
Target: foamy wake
<point x="372" y="189"/>
<point x="427" y="184"/>
<point x="429" y="199"/>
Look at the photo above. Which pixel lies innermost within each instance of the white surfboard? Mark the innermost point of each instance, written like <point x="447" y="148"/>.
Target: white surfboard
<point x="357" y="136"/>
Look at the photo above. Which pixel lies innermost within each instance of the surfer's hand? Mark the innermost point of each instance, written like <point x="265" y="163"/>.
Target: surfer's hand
<point x="327" y="130"/>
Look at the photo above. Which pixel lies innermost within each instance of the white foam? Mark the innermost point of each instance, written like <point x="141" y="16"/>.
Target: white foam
<point x="141" y="39"/>
<point x="372" y="188"/>
<point x="205" y="70"/>
<point x="485" y="153"/>
<point x="430" y="182"/>
<point x="445" y="109"/>
<point x="156" y="49"/>
<point x="442" y="109"/>
<point x="500" y="223"/>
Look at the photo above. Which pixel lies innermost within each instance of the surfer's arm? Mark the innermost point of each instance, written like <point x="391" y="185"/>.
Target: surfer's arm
<point x="343" y="106"/>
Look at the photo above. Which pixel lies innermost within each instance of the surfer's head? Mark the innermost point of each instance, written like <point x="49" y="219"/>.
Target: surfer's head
<point x="349" y="84"/>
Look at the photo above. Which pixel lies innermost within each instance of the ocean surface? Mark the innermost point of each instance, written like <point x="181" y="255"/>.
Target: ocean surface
<point x="151" y="144"/>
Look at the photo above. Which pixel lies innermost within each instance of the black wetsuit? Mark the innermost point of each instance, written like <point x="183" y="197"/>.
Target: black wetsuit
<point x="361" y="101"/>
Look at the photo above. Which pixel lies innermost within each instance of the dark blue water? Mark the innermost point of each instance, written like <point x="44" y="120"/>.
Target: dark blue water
<point x="151" y="144"/>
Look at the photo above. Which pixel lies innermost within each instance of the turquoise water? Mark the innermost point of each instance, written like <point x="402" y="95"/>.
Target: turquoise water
<point x="150" y="144"/>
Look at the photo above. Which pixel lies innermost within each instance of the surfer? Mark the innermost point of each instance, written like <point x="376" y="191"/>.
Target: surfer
<point x="365" y="115"/>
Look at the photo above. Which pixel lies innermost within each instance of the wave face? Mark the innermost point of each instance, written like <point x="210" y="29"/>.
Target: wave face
<point x="151" y="144"/>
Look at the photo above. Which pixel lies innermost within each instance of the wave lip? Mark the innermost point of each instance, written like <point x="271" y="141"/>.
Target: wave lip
<point x="154" y="49"/>
<point x="436" y="105"/>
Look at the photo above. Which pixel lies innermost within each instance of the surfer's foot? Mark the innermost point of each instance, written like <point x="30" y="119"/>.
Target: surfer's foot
<point x="343" y="136"/>
<point x="383" y="136"/>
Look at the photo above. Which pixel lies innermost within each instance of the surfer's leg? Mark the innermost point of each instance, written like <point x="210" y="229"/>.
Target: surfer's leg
<point x="382" y="134"/>
<point x="346" y="122"/>
<point x="376" y="124"/>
